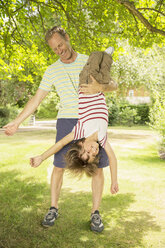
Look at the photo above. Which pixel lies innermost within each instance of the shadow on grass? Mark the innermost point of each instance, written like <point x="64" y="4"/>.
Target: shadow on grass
<point x="149" y="159"/>
<point x="24" y="203"/>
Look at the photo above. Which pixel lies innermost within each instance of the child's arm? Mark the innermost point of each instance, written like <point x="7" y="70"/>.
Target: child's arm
<point x="113" y="167"/>
<point x="36" y="161"/>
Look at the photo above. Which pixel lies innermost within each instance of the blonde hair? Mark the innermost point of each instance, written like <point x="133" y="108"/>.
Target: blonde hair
<point x="76" y="165"/>
<point x="52" y="31"/>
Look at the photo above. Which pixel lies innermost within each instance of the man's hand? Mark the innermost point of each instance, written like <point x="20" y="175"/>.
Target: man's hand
<point x="114" y="188"/>
<point x="36" y="161"/>
<point x="92" y="88"/>
<point x="11" y="128"/>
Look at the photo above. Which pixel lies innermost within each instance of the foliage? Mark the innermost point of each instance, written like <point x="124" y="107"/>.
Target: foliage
<point x="7" y="114"/>
<point x="92" y="25"/>
<point x="157" y="116"/>
<point x="134" y="67"/>
<point x="142" y="111"/>
<point x="127" y="117"/>
<point x="4" y="116"/>
<point x="121" y="112"/>
<point x="49" y="107"/>
<point x="20" y="74"/>
<point x="142" y="15"/>
<point x="94" y="22"/>
<point x="113" y="108"/>
<point x="97" y="24"/>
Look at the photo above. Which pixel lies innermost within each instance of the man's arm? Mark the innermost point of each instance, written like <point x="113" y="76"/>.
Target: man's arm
<point x="113" y="167"/>
<point x="29" y="108"/>
<point x="36" y="161"/>
<point x="95" y="87"/>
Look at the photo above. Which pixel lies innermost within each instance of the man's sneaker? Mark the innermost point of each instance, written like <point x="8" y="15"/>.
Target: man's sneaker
<point x="50" y="217"/>
<point x="96" y="222"/>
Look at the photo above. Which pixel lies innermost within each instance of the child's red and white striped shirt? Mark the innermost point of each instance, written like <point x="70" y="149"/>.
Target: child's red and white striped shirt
<point x="93" y="116"/>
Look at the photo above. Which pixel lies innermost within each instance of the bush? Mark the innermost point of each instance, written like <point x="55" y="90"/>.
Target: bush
<point x="116" y="112"/>
<point x="142" y="112"/>
<point x="49" y="107"/>
<point x="113" y="109"/>
<point x="7" y="114"/>
<point x="157" y="118"/>
<point x="4" y="116"/>
<point x="127" y="117"/>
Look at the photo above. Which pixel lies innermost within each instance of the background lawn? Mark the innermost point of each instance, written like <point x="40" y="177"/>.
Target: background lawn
<point x="134" y="218"/>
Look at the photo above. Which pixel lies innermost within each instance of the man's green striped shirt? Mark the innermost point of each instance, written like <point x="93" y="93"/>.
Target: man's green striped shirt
<point x="65" y="78"/>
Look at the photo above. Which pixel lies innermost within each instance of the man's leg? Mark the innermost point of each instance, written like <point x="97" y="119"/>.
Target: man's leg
<point x="63" y="126"/>
<point x="97" y="190"/>
<point x="56" y="184"/>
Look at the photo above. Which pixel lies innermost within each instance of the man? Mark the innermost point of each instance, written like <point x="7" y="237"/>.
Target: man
<point x="64" y="74"/>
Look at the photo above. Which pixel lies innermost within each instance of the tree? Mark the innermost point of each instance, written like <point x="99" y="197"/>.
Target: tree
<point x="92" y="25"/>
<point x="135" y="67"/>
<point x="148" y="6"/>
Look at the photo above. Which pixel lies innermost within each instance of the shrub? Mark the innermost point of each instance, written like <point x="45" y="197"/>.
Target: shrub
<point x="49" y="107"/>
<point x="116" y="111"/>
<point x="4" y="116"/>
<point x="7" y="114"/>
<point x="113" y="109"/>
<point x="127" y="116"/>
<point x="142" y="112"/>
<point x="157" y="119"/>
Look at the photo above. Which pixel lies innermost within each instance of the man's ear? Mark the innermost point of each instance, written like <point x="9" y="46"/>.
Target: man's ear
<point x="67" y="37"/>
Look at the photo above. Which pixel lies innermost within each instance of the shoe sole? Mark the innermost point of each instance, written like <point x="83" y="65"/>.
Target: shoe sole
<point x="47" y="225"/>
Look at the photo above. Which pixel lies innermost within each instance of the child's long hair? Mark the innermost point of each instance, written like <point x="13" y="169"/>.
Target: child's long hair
<point x="76" y="165"/>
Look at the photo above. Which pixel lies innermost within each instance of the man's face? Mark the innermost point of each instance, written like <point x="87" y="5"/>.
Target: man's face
<point x="89" y="150"/>
<point x="61" y="47"/>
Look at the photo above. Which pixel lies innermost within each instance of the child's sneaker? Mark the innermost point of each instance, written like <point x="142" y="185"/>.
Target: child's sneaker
<point x="50" y="217"/>
<point x="96" y="222"/>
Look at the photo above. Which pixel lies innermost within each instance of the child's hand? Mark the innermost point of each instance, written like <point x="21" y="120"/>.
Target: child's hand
<point x="114" y="188"/>
<point x="36" y="161"/>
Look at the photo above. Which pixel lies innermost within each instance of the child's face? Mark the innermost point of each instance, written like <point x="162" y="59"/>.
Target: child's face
<point x="89" y="150"/>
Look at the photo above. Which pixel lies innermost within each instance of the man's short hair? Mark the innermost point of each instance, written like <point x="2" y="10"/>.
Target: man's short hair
<point x="52" y="31"/>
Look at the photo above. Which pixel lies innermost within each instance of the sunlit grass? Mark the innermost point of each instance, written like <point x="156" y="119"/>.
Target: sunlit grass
<point x="134" y="218"/>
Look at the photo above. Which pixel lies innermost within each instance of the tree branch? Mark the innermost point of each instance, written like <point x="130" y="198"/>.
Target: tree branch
<point x="131" y="7"/>
<point x="38" y="8"/>
<point x="20" y="7"/>
<point x="153" y="10"/>
<point x="12" y="18"/>
<point x="137" y="25"/>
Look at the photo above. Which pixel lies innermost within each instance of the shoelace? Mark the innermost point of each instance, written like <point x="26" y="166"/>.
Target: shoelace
<point x="96" y="218"/>
<point x="51" y="214"/>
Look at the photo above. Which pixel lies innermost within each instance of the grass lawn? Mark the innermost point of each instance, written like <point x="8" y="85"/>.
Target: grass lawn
<point x="134" y="218"/>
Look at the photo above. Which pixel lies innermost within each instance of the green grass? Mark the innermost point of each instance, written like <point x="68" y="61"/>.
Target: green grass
<point x="134" y="218"/>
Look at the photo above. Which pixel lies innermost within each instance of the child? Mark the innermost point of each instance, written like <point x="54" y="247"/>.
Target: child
<point x="98" y="65"/>
<point x="90" y="131"/>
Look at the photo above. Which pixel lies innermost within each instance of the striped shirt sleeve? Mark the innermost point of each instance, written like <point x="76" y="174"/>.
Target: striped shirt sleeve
<point x="78" y="131"/>
<point x="102" y="142"/>
<point x="47" y="80"/>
